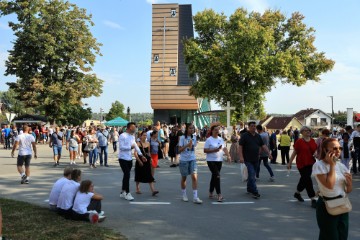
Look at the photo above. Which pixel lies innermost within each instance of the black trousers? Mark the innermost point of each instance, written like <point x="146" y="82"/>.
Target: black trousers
<point x="215" y="168"/>
<point x="305" y="181"/>
<point x="126" y="168"/>
<point x="285" y="154"/>
<point x="274" y="153"/>
<point x="94" y="205"/>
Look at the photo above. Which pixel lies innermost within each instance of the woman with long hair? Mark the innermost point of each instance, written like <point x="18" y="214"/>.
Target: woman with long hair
<point x="187" y="165"/>
<point x="92" y="142"/>
<point x="154" y="150"/>
<point x="334" y="181"/>
<point x="72" y="145"/>
<point x="173" y="144"/>
<point x="79" y="133"/>
<point x="215" y="149"/>
<point x="83" y="145"/>
<point x="143" y="172"/>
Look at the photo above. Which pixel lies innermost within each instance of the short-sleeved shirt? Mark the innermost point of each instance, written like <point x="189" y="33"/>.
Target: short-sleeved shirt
<point x="56" y="138"/>
<point x="55" y="191"/>
<point x="273" y="140"/>
<point x="320" y="167"/>
<point x="265" y="137"/>
<point x="103" y="138"/>
<point x="305" y="153"/>
<point x="25" y="143"/>
<point x="82" y="201"/>
<point x="214" y="143"/>
<point x="251" y="146"/>
<point x="189" y="153"/>
<point x="67" y="195"/>
<point x="285" y="140"/>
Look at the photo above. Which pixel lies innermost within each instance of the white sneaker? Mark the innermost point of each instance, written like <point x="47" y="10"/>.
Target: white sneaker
<point x="101" y="218"/>
<point x="185" y="198"/>
<point x="129" y="197"/>
<point x="197" y="201"/>
<point x="101" y="213"/>
<point x="74" y="162"/>
<point x="272" y="179"/>
<point x="122" y="195"/>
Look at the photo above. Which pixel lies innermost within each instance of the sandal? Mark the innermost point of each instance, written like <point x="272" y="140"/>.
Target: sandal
<point x="138" y="192"/>
<point x="220" y="199"/>
<point x="211" y="196"/>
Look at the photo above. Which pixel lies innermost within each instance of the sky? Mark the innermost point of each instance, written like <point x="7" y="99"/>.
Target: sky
<point x="124" y="29"/>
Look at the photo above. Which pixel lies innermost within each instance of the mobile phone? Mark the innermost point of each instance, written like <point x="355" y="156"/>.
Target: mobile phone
<point x="220" y="146"/>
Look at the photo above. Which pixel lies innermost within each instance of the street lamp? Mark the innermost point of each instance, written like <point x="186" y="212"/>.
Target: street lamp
<point x="128" y="114"/>
<point x="332" y="109"/>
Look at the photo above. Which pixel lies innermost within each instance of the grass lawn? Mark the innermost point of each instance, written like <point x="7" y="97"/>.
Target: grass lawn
<point x="22" y="220"/>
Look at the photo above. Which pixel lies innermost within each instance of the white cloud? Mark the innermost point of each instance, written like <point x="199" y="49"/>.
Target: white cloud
<point x="112" y="24"/>
<point x="255" y="5"/>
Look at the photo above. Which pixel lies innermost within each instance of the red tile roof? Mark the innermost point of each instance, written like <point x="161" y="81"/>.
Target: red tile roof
<point x="279" y="122"/>
<point x="304" y="113"/>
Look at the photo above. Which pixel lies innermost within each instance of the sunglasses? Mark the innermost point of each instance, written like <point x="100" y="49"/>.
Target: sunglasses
<point x="337" y="148"/>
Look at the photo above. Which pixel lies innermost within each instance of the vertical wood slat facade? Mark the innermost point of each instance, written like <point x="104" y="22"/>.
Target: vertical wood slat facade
<point x="166" y="91"/>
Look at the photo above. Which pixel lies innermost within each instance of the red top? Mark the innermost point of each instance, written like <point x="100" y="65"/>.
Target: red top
<point x="305" y="153"/>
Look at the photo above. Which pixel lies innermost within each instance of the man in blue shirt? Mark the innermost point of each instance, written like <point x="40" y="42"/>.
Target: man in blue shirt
<point x="103" y="137"/>
<point x="273" y="146"/>
<point x="7" y="136"/>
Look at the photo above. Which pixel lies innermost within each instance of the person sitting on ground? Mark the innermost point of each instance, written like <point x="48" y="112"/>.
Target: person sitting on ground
<point x="67" y="194"/>
<point x="87" y="204"/>
<point x="58" y="185"/>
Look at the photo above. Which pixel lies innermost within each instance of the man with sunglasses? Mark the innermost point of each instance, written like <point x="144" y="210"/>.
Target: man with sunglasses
<point x="304" y="150"/>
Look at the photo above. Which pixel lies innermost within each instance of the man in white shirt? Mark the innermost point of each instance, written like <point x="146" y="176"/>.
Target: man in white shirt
<point x="56" y="190"/>
<point x="26" y="143"/>
<point x="126" y="145"/>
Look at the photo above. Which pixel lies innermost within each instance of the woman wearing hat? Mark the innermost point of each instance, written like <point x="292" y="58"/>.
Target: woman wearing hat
<point x="304" y="150"/>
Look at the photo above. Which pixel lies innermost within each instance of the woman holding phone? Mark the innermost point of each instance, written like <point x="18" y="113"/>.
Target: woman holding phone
<point x="334" y="181"/>
<point x="215" y="149"/>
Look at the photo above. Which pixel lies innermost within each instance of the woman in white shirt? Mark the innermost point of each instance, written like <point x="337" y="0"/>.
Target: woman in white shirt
<point x="87" y="204"/>
<point x="334" y="181"/>
<point x="215" y="149"/>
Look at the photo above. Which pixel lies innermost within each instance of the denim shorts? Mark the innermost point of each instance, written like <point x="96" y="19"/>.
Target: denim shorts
<point x="187" y="168"/>
<point x="23" y="159"/>
<point x="74" y="149"/>
<point x="57" y="150"/>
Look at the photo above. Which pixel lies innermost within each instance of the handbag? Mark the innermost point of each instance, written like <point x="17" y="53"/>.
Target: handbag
<point x="338" y="206"/>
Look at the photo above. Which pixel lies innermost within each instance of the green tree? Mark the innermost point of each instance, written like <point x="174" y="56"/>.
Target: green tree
<point x="53" y="54"/>
<point x="241" y="57"/>
<point x="116" y="110"/>
<point x="10" y="102"/>
<point x="75" y="115"/>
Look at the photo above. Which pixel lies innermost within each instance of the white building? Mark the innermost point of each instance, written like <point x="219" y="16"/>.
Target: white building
<point x="314" y="118"/>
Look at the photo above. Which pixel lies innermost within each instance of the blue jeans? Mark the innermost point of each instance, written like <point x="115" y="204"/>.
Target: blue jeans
<point x="92" y="156"/>
<point x="251" y="184"/>
<point x="266" y="164"/>
<point x="103" y="149"/>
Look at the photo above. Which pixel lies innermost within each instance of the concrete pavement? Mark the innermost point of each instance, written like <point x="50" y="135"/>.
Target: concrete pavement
<point x="274" y="216"/>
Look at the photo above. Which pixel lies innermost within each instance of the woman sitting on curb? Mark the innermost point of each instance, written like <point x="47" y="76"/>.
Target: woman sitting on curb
<point x="87" y="204"/>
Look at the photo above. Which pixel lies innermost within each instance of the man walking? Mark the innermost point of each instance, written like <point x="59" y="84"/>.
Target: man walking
<point x="264" y="155"/>
<point x="7" y="136"/>
<point x="355" y="137"/>
<point x="56" y="142"/>
<point x="273" y="146"/>
<point x="103" y="137"/>
<point x="25" y="141"/>
<point x="250" y="145"/>
<point x="126" y="144"/>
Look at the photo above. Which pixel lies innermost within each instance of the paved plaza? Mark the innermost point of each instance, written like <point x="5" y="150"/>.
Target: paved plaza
<point x="276" y="215"/>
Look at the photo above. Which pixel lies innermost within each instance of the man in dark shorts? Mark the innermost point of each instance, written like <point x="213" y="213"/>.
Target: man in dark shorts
<point x="26" y="143"/>
<point x="250" y="145"/>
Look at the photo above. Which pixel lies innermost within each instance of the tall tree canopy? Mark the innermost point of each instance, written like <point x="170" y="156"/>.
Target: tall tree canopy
<point x="117" y="110"/>
<point x="53" y="54"/>
<point x="243" y="56"/>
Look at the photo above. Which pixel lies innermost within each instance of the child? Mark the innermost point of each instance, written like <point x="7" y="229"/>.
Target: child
<point x="347" y="147"/>
<point x="87" y="204"/>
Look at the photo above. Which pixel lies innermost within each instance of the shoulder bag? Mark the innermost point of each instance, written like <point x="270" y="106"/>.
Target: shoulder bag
<point x="338" y="206"/>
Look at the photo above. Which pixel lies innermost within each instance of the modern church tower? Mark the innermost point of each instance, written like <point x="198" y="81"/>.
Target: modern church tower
<point x="170" y="81"/>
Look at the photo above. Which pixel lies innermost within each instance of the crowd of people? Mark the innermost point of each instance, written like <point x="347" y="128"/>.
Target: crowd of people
<point x="329" y="159"/>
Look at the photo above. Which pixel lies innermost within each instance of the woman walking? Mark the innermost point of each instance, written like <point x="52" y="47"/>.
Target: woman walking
<point x="304" y="150"/>
<point x="215" y="149"/>
<point x="154" y="150"/>
<point x="92" y="142"/>
<point x="72" y="145"/>
<point x="85" y="151"/>
<point x="143" y="167"/>
<point x="285" y="143"/>
<point x="334" y="181"/>
<point x="79" y="133"/>
<point x="188" y="166"/>
<point x="114" y="138"/>
<point x="173" y="144"/>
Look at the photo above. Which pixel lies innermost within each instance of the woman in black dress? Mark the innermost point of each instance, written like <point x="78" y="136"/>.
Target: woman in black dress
<point x="143" y="168"/>
<point x="174" y="140"/>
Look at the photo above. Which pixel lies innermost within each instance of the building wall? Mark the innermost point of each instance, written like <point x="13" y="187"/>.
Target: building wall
<point x="166" y="91"/>
<point x="318" y="115"/>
